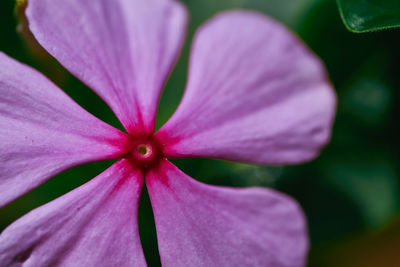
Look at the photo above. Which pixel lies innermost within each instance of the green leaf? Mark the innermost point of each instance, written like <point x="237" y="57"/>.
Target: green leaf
<point x="370" y="15"/>
<point x="370" y="182"/>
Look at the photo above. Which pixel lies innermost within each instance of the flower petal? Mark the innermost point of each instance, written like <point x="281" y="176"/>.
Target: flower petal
<point x="122" y="49"/>
<point x="43" y="132"/>
<point x="94" y="225"/>
<point x="201" y="225"/>
<point x="255" y="93"/>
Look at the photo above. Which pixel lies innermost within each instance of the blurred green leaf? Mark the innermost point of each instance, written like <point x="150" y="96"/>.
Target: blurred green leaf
<point x="370" y="182"/>
<point x="288" y="12"/>
<point x="367" y="97"/>
<point x="370" y="15"/>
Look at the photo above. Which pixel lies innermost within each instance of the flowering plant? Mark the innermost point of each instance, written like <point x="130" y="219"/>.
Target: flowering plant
<point x="254" y="94"/>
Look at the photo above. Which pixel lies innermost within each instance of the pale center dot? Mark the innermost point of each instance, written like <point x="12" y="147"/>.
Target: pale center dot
<point x="144" y="150"/>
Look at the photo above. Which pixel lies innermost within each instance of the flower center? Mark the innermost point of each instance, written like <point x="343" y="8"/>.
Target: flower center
<point x="144" y="151"/>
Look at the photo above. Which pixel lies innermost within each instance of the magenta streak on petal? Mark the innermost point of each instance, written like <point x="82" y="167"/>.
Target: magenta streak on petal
<point x="255" y="93"/>
<point x="43" y="132"/>
<point x="94" y="225"/>
<point x="202" y="225"/>
<point x="123" y="49"/>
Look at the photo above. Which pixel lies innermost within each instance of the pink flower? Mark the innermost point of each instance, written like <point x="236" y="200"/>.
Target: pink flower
<point x="255" y="93"/>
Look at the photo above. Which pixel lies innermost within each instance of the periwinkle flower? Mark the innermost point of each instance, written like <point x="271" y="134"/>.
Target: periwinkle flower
<point x="254" y="94"/>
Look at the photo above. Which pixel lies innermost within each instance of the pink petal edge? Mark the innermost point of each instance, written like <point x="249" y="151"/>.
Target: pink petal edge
<point x="125" y="50"/>
<point x="43" y="132"/>
<point x="202" y="225"/>
<point x="255" y="93"/>
<point x="93" y="225"/>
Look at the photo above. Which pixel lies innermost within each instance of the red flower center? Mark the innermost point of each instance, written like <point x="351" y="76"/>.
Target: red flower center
<point x="144" y="151"/>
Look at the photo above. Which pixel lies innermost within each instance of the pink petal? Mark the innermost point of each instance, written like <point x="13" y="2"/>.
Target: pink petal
<point x="43" y="132"/>
<point x="122" y="49"/>
<point x="94" y="225"/>
<point x="255" y="93"/>
<point x="201" y="225"/>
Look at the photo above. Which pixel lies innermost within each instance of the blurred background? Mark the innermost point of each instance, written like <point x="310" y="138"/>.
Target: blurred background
<point x="350" y="194"/>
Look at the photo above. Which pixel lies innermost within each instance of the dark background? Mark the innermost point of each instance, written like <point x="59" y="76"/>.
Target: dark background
<point x="350" y="194"/>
